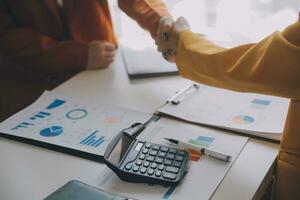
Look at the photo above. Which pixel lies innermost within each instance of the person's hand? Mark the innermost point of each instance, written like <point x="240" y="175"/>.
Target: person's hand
<point x="164" y="28"/>
<point x="100" y="55"/>
<point x="168" y="46"/>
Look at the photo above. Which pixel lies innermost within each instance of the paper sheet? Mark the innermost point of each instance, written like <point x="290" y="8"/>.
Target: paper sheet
<point x="140" y="52"/>
<point x="60" y="120"/>
<point x="256" y="114"/>
<point x="203" y="176"/>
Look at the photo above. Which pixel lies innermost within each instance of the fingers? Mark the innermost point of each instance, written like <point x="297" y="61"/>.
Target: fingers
<point x="180" y="25"/>
<point x="101" y="54"/>
<point x="109" y="46"/>
<point x="169" y="55"/>
<point x="168" y="36"/>
<point x="164" y="27"/>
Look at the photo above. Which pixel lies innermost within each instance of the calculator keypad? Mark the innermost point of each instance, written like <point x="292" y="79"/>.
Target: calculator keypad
<point x="158" y="161"/>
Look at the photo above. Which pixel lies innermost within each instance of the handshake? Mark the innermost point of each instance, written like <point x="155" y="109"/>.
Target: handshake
<point x="101" y="53"/>
<point x="167" y="36"/>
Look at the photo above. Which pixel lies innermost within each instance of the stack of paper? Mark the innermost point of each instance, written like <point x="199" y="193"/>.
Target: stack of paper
<point x="255" y="114"/>
<point x="62" y="123"/>
<point x="203" y="176"/>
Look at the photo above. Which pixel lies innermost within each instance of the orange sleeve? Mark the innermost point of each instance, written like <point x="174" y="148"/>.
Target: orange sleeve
<point x="272" y="66"/>
<point x="147" y="13"/>
<point x="39" y="52"/>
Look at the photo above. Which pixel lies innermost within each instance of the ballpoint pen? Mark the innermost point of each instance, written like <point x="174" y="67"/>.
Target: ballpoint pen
<point x="175" y="101"/>
<point x="205" y="151"/>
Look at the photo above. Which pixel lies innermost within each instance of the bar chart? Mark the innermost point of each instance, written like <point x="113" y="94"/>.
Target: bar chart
<point x="93" y="140"/>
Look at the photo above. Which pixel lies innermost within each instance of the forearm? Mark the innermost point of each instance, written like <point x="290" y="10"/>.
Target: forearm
<point x="271" y="66"/>
<point x="146" y="12"/>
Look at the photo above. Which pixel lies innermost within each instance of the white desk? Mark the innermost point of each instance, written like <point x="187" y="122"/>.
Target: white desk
<point x="31" y="173"/>
<point x="28" y="172"/>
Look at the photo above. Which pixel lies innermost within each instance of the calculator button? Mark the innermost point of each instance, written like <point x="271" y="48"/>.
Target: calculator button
<point x="176" y="163"/>
<point x="159" y="160"/>
<point x="143" y="170"/>
<point x="161" y="154"/>
<point x="152" y="152"/>
<point x="135" y="168"/>
<point x="170" y="156"/>
<point x="170" y="176"/>
<point x="161" y="167"/>
<point x="155" y="147"/>
<point x="150" y="158"/>
<point x="128" y="166"/>
<point x="164" y="149"/>
<point x="142" y="156"/>
<point x="158" y="173"/>
<point x="172" y="151"/>
<point x="179" y="158"/>
<point x="148" y="145"/>
<point x="150" y="172"/>
<point x="181" y="153"/>
<point x="174" y="170"/>
<point x="168" y="162"/>
<point x="146" y="164"/>
<point x="138" y="162"/>
<point x="153" y="165"/>
<point x="145" y="151"/>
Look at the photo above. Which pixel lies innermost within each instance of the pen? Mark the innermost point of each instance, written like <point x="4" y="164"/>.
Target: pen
<point x="187" y="88"/>
<point x="205" y="151"/>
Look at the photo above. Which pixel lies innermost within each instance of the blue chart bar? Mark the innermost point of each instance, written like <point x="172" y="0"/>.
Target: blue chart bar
<point x="168" y="193"/>
<point x="27" y="124"/>
<point x="22" y="125"/>
<point x="44" y="113"/>
<point x="56" y="103"/>
<point x="40" y="115"/>
<point x="92" y="140"/>
<point x="98" y="142"/>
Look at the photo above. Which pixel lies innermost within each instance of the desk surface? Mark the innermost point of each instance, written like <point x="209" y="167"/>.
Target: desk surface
<point x="28" y="172"/>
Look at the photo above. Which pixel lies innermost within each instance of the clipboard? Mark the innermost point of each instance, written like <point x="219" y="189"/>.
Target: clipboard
<point x="257" y="115"/>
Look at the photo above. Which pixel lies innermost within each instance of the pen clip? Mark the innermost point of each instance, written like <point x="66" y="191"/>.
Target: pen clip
<point x="181" y="95"/>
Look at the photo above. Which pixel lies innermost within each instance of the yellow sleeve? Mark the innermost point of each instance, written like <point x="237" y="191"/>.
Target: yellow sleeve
<point x="272" y="66"/>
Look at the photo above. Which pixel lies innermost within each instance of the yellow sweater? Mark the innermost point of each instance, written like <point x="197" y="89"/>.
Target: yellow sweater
<point x="272" y="66"/>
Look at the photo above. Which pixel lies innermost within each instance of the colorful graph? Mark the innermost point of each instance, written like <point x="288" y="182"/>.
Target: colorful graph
<point x="40" y="115"/>
<point x="201" y="141"/>
<point x="243" y="119"/>
<point x="22" y="125"/>
<point x="259" y="103"/>
<point x="56" y="103"/>
<point x="78" y="113"/>
<point x="93" y="140"/>
<point x="52" y="131"/>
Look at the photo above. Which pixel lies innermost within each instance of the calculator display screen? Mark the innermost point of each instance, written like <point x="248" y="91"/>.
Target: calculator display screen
<point x="120" y="149"/>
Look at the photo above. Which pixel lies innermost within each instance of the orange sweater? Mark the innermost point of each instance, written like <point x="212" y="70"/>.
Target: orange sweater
<point x="272" y="66"/>
<point x="32" y="33"/>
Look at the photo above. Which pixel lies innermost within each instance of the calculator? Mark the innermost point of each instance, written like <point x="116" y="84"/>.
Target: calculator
<point x="145" y="162"/>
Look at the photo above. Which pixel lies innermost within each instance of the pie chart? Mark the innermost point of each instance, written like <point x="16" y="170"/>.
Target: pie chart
<point x="52" y="131"/>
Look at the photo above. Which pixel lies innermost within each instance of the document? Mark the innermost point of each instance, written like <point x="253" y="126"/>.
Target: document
<point x="66" y="122"/>
<point x="254" y="114"/>
<point x="203" y="176"/>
